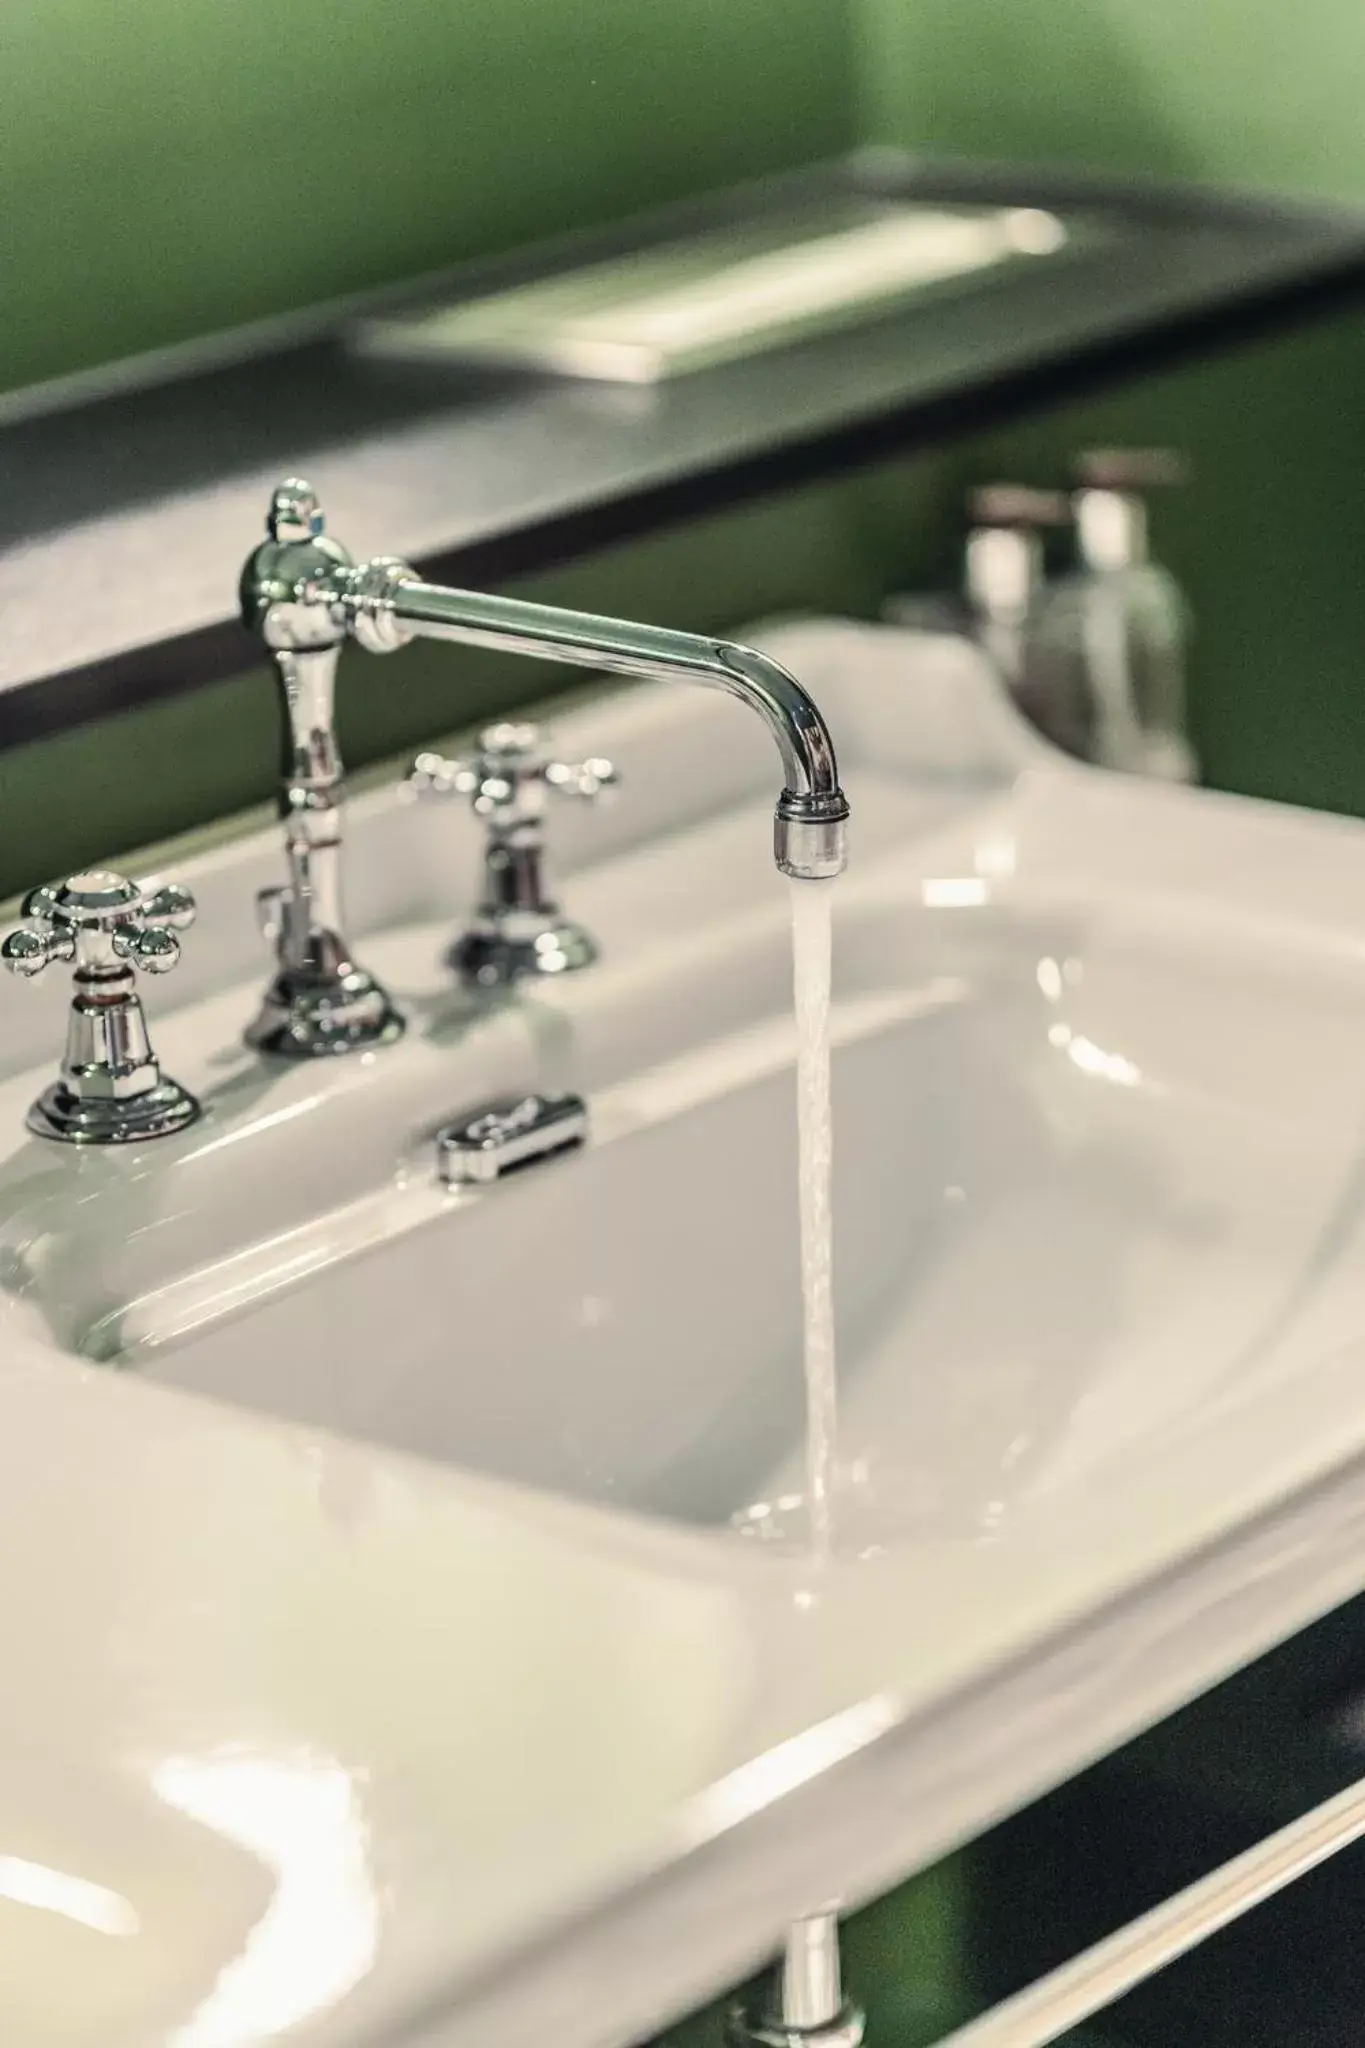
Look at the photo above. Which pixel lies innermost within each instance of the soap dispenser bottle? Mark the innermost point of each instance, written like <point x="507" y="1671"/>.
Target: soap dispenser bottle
<point x="1003" y="571"/>
<point x="1106" y="654"/>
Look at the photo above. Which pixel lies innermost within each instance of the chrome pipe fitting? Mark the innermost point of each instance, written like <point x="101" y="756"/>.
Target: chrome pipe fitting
<point x="804" y="2006"/>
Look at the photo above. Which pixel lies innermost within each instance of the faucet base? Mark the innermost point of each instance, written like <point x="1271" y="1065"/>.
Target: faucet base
<point x="307" y="1017"/>
<point x="488" y="956"/>
<point x="111" y="1120"/>
<point x="746" y="2029"/>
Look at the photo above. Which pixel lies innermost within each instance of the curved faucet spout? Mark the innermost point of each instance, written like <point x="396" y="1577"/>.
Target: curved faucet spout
<point x="388" y="604"/>
<point x="304" y="597"/>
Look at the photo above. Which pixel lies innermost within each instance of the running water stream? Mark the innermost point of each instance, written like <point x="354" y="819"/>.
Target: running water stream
<point x="808" y="1993"/>
<point x="811" y="957"/>
<point x="804" y="1520"/>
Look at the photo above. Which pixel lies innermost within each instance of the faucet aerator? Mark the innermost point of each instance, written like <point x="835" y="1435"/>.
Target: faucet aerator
<point x="810" y="836"/>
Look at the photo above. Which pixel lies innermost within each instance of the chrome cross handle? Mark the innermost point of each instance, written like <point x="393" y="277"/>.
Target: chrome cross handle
<point x="111" y="1090"/>
<point x="98" y="920"/>
<point x="517" y="929"/>
<point x="506" y="779"/>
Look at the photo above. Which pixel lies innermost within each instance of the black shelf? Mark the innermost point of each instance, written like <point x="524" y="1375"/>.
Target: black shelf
<point x="123" y="518"/>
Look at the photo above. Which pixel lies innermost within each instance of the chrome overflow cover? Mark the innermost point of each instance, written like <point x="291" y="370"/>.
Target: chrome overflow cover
<point x="514" y="1131"/>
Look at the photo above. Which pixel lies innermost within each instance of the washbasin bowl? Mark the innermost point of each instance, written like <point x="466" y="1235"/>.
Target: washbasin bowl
<point x="1075" y="1203"/>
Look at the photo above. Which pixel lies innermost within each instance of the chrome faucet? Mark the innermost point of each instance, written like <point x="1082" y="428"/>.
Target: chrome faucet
<point x="303" y="595"/>
<point x="321" y="1000"/>
<point x="111" y="1090"/>
<point x="517" y="930"/>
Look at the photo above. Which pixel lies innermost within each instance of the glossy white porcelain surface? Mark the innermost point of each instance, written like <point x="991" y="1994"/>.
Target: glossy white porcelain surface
<point x="1075" y="1198"/>
<point x="412" y="1689"/>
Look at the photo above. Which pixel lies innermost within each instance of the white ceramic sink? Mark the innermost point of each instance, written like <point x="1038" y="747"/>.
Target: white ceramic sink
<point x="623" y="1323"/>
<point x="1100" y="1270"/>
<point x="1076" y="1199"/>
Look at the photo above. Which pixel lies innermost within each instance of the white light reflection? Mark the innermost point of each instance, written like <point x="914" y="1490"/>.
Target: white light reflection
<point x="1034" y="232"/>
<point x="319" y="1934"/>
<point x="1093" y="1059"/>
<point x="791" y="1764"/>
<point x="75" y="1898"/>
<point x="249" y="1126"/>
<point x="1106" y="1066"/>
<point x="1050" y="979"/>
<point x="954" y="892"/>
<point x="995" y="857"/>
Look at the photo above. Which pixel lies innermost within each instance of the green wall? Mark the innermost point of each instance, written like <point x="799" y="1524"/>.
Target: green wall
<point x="1268" y="537"/>
<point x="169" y="167"/>
<point x="144" y="148"/>
<point x="1220" y="90"/>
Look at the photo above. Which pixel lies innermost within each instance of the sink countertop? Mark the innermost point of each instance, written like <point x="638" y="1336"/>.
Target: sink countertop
<point x="315" y="1742"/>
